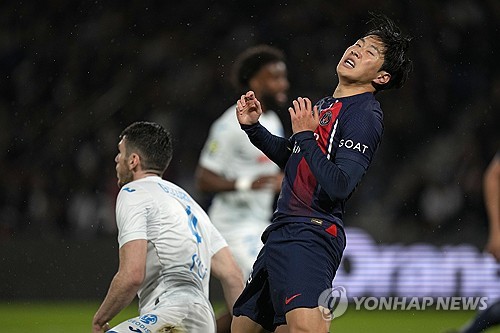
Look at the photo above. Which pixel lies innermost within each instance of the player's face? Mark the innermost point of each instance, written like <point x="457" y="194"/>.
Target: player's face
<point x="271" y="85"/>
<point x="123" y="173"/>
<point x="362" y="61"/>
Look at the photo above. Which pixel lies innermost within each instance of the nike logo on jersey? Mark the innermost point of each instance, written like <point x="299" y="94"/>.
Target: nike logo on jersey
<point x="128" y="189"/>
<point x="288" y="300"/>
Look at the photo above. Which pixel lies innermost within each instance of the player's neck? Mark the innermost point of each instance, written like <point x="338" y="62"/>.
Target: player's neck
<point x="145" y="173"/>
<point x="345" y="90"/>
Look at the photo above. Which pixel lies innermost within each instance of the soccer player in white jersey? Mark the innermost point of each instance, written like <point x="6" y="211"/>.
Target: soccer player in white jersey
<point x="168" y="245"/>
<point x="243" y="180"/>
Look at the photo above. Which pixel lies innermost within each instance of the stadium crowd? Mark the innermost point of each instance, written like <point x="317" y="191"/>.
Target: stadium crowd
<point x="74" y="75"/>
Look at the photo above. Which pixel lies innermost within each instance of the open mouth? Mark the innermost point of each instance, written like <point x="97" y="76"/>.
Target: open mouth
<point x="349" y="63"/>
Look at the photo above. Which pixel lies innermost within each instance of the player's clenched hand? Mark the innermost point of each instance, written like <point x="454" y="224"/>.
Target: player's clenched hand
<point x="303" y="116"/>
<point x="248" y="109"/>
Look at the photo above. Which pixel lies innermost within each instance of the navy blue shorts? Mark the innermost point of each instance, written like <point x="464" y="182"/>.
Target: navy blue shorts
<point x="296" y="264"/>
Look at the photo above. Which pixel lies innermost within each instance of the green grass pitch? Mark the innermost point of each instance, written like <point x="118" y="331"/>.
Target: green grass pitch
<point x="75" y="317"/>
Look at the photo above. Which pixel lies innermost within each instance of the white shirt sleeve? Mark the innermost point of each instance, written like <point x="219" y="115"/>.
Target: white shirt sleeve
<point x="219" y="147"/>
<point x="132" y="206"/>
<point x="217" y="242"/>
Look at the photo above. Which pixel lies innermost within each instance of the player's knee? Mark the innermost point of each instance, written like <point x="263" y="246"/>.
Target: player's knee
<point x="306" y="321"/>
<point x="244" y="324"/>
<point x="305" y="327"/>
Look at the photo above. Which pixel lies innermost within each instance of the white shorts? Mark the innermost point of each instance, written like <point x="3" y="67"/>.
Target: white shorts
<point x="185" y="318"/>
<point x="245" y="245"/>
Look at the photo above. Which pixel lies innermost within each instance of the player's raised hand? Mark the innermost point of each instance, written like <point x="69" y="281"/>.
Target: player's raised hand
<point x="303" y="115"/>
<point x="248" y="109"/>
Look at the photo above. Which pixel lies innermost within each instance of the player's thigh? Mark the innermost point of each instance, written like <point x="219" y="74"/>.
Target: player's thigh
<point x="186" y="318"/>
<point x="304" y="320"/>
<point x="302" y="266"/>
<point x="243" y="324"/>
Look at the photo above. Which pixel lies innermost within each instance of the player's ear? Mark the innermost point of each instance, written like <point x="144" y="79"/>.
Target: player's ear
<point x="382" y="78"/>
<point x="133" y="161"/>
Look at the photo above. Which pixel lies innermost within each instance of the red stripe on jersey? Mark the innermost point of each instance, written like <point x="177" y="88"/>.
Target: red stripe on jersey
<point x="304" y="185"/>
<point x="324" y="131"/>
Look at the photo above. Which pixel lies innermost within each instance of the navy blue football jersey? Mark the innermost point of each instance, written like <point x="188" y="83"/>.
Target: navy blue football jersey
<point x="350" y="129"/>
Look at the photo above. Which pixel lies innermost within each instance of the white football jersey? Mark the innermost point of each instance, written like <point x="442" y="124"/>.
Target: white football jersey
<point x="228" y="152"/>
<point x="181" y="240"/>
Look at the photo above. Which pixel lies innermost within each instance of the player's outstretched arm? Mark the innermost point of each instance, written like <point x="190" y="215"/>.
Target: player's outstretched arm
<point x="211" y="182"/>
<point x="225" y="268"/>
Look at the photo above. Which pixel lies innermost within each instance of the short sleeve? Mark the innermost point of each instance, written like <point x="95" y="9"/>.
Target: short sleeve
<point x="217" y="242"/>
<point x="216" y="152"/>
<point x="132" y="206"/>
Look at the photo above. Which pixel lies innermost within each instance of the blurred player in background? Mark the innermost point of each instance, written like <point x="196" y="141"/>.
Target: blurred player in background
<point x="243" y="179"/>
<point x="168" y="246"/>
<point x="330" y="150"/>
<point x="491" y="187"/>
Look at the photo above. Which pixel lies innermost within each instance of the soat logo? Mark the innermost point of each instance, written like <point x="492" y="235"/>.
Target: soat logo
<point x="353" y="145"/>
<point x="326" y="118"/>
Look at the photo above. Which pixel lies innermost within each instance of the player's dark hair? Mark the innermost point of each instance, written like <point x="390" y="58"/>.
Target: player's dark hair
<point x="396" y="61"/>
<point x="151" y="142"/>
<point x="250" y="61"/>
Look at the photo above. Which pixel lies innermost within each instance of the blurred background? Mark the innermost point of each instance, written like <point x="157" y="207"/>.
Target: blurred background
<point x="74" y="74"/>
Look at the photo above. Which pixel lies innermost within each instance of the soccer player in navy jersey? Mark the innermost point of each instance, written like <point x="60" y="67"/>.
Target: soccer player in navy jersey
<point x="332" y="145"/>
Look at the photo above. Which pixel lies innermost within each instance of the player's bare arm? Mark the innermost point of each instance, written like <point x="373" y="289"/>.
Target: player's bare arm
<point x="124" y="285"/>
<point x="209" y="181"/>
<point x="225" y="268"/>
<point x="248" y="109"/>
<point x="272" y="181"/>
<point x="303" y="115"/>
<point x="492" y="201"/>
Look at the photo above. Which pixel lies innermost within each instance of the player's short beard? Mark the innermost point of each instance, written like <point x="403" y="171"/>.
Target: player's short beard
<point x="124" y="179"/>
<point x="270" y="103"/>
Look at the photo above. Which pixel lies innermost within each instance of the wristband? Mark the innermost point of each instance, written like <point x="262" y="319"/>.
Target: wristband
<point x="243" y="184"/>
